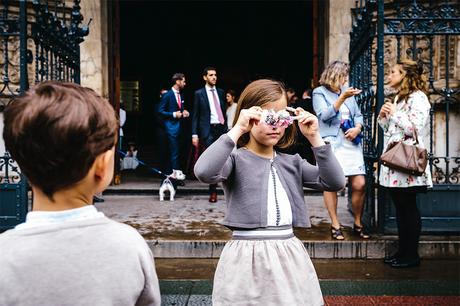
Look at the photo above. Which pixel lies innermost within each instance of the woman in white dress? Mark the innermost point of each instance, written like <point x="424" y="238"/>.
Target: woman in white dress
<point x="341" y="124"/>
<point x="231" y="107"/>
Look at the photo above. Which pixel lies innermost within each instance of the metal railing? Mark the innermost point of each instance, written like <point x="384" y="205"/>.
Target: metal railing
<point x="384" y="32"/>
<point x="47" y="35"/>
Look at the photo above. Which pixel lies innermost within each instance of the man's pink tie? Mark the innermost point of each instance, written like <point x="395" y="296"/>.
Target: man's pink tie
<point x="179" y="101"/>
<point x="220" y="116"/>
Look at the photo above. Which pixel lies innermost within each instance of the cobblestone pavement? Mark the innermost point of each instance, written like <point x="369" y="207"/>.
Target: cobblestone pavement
<point x="193" y="217"/>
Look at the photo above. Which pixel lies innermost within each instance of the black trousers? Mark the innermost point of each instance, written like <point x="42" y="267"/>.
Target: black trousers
<point x="408" y="220"/>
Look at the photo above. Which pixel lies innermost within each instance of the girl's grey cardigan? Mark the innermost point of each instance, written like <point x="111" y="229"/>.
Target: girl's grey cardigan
<point x="245" y="180"/>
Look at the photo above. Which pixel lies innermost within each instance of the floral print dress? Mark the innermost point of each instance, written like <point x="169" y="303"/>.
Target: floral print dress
<point x="399" y="126"/>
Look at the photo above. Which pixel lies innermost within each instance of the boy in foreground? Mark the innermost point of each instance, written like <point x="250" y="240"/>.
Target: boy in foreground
<point x="62" y="136"/>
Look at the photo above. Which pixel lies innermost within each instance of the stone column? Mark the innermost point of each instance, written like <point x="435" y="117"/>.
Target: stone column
<point x="338" y="37"/>
<point x="93" y="51"/>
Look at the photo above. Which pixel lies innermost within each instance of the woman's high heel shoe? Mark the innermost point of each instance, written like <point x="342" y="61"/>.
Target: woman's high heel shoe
<point x="336" y="233"/>
<point x="360" y="232"/>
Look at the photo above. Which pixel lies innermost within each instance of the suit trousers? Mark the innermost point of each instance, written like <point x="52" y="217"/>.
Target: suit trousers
<point x="215" y="132"/>
<point x="174" y="152"/>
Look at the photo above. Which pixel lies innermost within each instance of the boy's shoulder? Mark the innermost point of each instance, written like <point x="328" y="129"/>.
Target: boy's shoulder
<point x="84" y="229"/>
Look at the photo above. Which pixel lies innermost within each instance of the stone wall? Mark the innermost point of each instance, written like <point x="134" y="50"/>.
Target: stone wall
<point x="93" y="51"/>
<point x="337" y="39"/>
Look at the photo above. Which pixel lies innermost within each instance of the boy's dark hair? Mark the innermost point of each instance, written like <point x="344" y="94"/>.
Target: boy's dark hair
<point x="177" y="76"/>
<point x="56" y="131"/>
<point x="205" y="70"/>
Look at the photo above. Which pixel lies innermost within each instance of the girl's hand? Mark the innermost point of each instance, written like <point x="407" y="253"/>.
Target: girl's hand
<point x="308" y="125"/>
<point x="350" y="92"/>
<point x="245" y="122"/>
<point x="247" y="118"/>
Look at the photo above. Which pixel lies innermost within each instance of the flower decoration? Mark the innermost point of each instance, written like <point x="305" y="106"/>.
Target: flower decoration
<point x="281" y="118"/>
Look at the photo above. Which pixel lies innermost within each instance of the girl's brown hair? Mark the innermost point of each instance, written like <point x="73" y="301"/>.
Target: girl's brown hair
<point x="413" y="80"/>
<point x="259" y="93"/>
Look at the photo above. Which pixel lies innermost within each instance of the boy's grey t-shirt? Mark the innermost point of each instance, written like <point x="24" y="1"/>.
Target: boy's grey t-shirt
<point x="86" y="262"/>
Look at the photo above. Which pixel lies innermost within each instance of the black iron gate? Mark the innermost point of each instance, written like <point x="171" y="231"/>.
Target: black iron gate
<point x="39" y="41"/>
<point x="429" y="32"/>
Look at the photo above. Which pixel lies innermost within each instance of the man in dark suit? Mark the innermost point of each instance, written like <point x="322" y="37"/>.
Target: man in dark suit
<point x="173" y="112"/>
<point x="209" y="120"/>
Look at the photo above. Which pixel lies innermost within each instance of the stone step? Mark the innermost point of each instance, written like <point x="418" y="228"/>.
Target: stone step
<point x="135" y="184"/>
<point x="430" y="248"/>
<point x="152" y="187"/>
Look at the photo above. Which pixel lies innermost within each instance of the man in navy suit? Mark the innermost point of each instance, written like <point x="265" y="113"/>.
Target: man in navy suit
<point x="172" y="110"/>
<point x="209" y="120"/>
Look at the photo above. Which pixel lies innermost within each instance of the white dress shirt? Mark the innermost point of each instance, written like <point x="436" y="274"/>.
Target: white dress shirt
<point x="214" y="117"/>
<point x="177" y="99"/>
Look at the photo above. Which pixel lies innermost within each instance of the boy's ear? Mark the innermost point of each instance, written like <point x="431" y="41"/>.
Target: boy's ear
<point x="102" y="164"/>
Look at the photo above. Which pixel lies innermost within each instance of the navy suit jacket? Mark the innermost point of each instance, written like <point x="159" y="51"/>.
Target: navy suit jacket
<point x="201" y="117"/>
<point x="168" y="105"/>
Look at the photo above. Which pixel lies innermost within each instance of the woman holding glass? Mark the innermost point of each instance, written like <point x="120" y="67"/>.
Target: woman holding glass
<point x="400" y="120"/>
<point x="341" y="124"/>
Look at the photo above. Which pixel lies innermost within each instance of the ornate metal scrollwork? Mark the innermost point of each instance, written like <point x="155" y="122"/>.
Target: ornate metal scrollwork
<point x="415" y="18"/>
<point x="454" y="177"/>
<point x="54" y="46"/>
<point x="9" y="170"/>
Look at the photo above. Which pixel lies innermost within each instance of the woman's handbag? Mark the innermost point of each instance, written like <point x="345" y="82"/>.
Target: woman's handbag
<point x="406" y="158"/>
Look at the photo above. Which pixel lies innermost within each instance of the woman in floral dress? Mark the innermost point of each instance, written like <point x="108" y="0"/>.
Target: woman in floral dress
<point x="410" y="110"/>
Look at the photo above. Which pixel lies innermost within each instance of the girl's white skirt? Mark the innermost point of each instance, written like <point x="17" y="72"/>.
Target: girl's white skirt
<point x="265" y="270"/>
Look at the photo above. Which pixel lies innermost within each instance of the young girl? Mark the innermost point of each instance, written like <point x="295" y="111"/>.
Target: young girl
<point x="130" y="160"/>
<point x="264" y="264"/>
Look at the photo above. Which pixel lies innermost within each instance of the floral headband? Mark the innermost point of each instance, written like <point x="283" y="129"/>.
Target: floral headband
<point x="281" y="118"/>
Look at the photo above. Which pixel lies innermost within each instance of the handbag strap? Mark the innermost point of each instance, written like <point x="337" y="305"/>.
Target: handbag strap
<point x="414" y="132"/>
<point x="414" y="129"/>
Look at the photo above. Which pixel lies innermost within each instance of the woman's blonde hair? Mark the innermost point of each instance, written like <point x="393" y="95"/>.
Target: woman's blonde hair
<point x="259" y="93"/>
<point x="334" y="74"/>
<point x="413" y="79"/>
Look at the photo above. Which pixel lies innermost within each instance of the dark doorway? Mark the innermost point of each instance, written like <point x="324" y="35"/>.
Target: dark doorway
<point x="244" y="40"/>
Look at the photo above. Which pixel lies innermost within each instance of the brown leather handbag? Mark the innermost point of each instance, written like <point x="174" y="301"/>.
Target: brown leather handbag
<point x="406" y="158"/>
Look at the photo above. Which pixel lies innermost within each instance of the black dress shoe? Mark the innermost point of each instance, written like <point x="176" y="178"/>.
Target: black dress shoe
<point x="402" y="263"/>
<point x="97" y="199"/>
<point x="390" y="259"/>
<point x="213" y="197"/>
